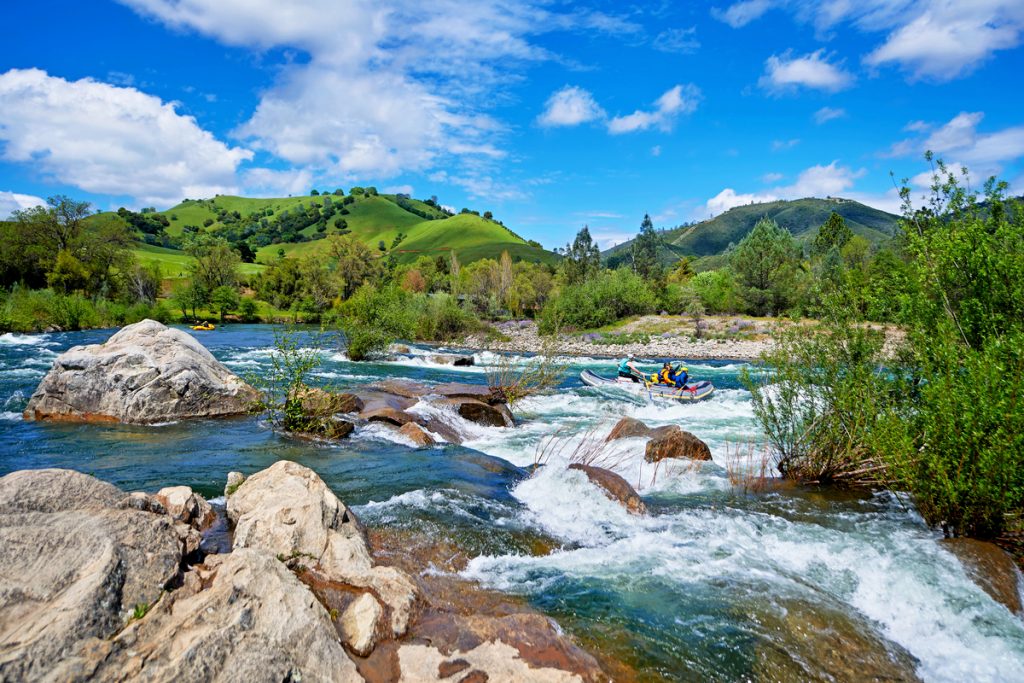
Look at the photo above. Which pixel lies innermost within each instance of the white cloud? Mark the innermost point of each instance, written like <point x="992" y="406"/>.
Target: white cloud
<point x="959" y="142"/>
<point x="826" y="114"/>
<point x="382" y="86"/>
<point x="728" y="198"/>
<point x="929" y="39"/>
<point x="950" y="38"/>
<point x="916" y="127"/>
<point x="478" y="186"/>
<point x="399" y="189"/>
<point x="742" y="13"/>
<point x="682" y="99"/>
<point x="277" y="183"/>
<point x="111" y="140"/>
<point x="679" y="40"/>
<point x="769" y="178"/>
<point x="12" y="201"/>
<point x="817" y="181"/>
<point x="606" y="238"/>
<point x="570" y="106"/>
<point x="656" y="151"/>
<point x="780" y="145"/>
<point x="785" y="72"/>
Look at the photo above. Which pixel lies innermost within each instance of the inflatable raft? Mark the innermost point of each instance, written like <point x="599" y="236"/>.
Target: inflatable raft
<point x="691" y="392"/>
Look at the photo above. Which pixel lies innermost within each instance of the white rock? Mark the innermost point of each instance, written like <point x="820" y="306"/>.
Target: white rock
<point x="359" y="624"/>
<point x="145" y="373"/>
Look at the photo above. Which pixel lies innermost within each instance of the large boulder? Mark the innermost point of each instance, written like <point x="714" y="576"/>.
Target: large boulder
<point x="416" y="434"/>
<point x="673" y="442"/>
<point x="320" y="402"/>
<point x="991" y="568"/>
<point x="145" y="373"/>
<point x="615" y="487"/>
<point x="288" y="510"/>
<point x="76" y="565"/>
<point x="243" y="617"/>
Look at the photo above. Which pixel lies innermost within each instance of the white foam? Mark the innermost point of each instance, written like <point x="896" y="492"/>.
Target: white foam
<point x="9" y="416"/>
<point x="14" y="339"/>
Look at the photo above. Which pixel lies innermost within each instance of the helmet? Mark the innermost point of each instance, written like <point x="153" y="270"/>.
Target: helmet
<point x="667" y="365"/>
<point x="632" y="356"/>
<point x="684" y="369"/>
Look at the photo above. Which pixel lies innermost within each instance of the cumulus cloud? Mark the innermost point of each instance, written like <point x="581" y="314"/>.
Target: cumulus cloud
<point x="816" y="181"/>
<point x="12" y="201"/>
<point x="682" y="99"/>
<point x="570" y="106"/>
<point x="111" y="140"/>
<point x="826" y="114"/>
<point x="372" y="97"/>
<point x="277" y="182"/>
<point x="786" y="72"/>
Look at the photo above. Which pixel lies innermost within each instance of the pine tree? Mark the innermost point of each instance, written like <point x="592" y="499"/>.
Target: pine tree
<point x="645" y="251"/>
<point x="582" y="258"/>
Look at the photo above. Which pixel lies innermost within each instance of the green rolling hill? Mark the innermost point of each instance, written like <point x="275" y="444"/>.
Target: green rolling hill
<point x="802" y="217"/>
<point x="427" y="230"/>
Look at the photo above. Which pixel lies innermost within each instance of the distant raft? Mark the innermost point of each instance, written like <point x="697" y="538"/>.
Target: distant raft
<point x="691" y="392"/>
<point x="205" y="327"/>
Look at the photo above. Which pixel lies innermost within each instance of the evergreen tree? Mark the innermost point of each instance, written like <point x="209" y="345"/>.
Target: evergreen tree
<point x="582" y="258"/>
<point x="645" y="251"/>
<point x="764" y="263"/>
<point x="834" y="233"/>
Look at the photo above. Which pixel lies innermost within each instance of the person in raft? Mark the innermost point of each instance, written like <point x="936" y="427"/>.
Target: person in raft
<point x="674" y="377"/>
<point x="628" y="369"/>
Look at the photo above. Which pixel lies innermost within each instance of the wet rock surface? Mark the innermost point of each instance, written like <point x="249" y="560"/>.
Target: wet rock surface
<point x="817" y="642"/>
<point x="665" y="442"/>
<point x="991" y="568"/>
<point x="145" y="373"/>
<point x="614" y="486"/>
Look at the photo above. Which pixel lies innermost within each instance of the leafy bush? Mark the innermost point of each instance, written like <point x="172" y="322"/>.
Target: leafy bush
<point x="440" y="318"/>
<point x="374" y="318"/>
<point x="599" y="301"/>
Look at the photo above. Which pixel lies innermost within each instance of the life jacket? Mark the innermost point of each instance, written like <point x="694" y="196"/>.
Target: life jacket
<point x="624" y="365"/>
<point x="666" y="376"/>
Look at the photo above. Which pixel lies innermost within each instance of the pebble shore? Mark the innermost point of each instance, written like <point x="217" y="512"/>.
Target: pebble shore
<point x="524" y="339"/>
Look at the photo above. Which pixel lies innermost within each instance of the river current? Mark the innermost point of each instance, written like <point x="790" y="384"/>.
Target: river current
<point x="695" y="590"/>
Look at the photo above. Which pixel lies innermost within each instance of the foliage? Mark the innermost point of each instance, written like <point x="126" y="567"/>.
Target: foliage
<point x="765" y="265"/>
<point x="224" y="299"/>
<point x="645" y="251"/>
<point x="942" y="418"/>
<point x="833" y="234"/>
<point x="26" y="310"/>
<point x="582" y="258"/>
<point x="600" y="301"/>
<point x="374" y="318"/>
<point x="717" y="290"/>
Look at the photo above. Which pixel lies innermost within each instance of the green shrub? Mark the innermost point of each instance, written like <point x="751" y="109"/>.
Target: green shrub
<point x="600" y="301"/>
<point x="373" y="318"/>
<point x="440" y="318"/>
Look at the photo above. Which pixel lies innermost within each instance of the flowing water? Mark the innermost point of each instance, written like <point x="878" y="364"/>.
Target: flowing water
<point x="705" y="587"/>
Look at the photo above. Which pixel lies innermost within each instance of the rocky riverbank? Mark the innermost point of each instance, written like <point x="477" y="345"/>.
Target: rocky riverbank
<point x="523" y="338"/>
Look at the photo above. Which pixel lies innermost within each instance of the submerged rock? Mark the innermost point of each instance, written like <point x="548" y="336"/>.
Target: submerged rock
<point x="75" y="565"/>
<point x="288" y="510"/>
<point x="479" y="412"/>
<point x="143" y="374"/>
<point x="453" y="359"/>
<point x="416" y="434"/>
<point x="614" y="486"/>
<point x="805" y="641"/>
<point x="991" y="568"/>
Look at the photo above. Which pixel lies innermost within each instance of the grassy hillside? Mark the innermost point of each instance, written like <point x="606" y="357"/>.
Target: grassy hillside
<point x="371" y="219"/>
<point x="174" y="263"/>
<point x="802" y="217"/>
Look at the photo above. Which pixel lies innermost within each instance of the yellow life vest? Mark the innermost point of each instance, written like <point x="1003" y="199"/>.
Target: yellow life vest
<point x="665" y="376"/>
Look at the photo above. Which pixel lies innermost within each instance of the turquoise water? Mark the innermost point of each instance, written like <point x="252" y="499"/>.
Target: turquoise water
<point x="680" y="594"/>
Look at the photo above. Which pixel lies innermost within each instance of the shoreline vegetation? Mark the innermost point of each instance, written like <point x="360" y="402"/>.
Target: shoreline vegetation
<point x="896" y="364"/>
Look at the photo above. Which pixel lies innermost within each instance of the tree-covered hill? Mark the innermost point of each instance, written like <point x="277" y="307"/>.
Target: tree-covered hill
<point x="802" y="217"/>
<point x="264" y="228"/>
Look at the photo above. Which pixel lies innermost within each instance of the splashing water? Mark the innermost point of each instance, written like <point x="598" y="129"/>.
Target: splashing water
<point x="693" y="590"/>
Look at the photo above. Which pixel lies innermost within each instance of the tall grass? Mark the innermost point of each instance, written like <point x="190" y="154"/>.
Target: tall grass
<point x="27" y="310"/>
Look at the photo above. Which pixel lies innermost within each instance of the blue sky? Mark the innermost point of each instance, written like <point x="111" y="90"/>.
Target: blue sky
<point x="552" y="115"/>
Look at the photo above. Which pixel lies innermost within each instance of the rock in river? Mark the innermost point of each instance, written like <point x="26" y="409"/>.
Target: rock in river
<point x="289" y="510"/>
<point x="145" y="373"/>
<point x="615" y="487"/>
<point x="75" y="565"/>
<point x="665" y="442"/>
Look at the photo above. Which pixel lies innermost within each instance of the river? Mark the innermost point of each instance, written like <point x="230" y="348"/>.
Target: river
<point x="713" y="584"/>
